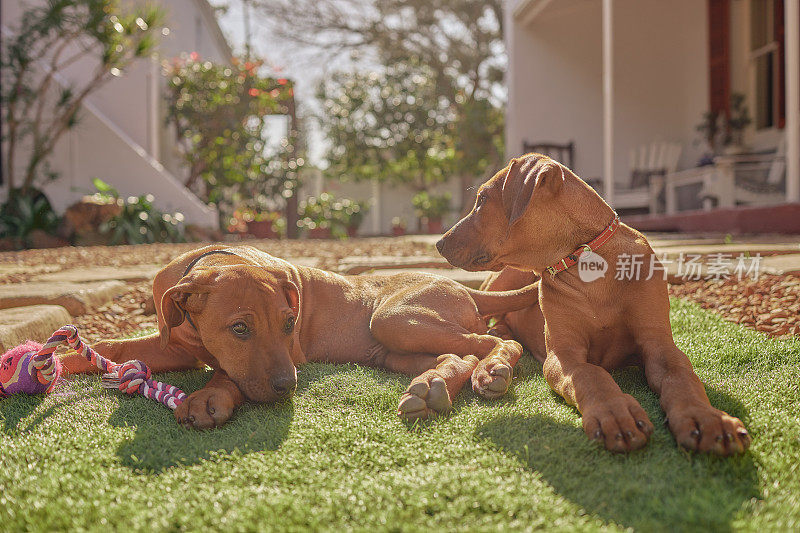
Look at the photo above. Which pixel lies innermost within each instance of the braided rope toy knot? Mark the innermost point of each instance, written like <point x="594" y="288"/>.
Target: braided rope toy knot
<point x="132" y="374"/>
<point x="32" y="369"/>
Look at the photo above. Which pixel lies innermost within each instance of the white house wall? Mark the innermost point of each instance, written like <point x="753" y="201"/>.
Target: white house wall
<point x="122" y="164"/>
<point x="554" y="82"/>
<point x="131" y="107"/>
<point x="660" y="78"/>
<point x="394" y="201"/>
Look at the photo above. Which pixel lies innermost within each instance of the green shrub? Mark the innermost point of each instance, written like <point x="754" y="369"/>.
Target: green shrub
<point x="431" y="205"/>
<point x="139" y="222"/>
<point x="24" y="213"/>
<point x="327" y="211"/>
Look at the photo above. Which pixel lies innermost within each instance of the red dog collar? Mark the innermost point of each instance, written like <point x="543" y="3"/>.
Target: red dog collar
<point x="595" y="243"/>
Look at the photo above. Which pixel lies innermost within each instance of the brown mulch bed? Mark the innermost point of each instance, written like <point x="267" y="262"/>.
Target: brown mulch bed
<point x="329" y="252"/>
<point x="770" y="304"/>
<point x="124" y="316"/>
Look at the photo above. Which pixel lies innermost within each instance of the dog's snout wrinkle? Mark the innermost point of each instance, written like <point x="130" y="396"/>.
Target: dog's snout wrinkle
<point x="482" y="259"/>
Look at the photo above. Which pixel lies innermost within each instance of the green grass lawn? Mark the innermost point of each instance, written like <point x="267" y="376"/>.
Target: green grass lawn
<point x="337" y="457"/>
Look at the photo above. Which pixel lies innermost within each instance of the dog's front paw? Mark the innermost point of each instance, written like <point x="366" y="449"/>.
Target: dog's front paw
<point x="492" y="377"/>
<point x="427" y="396"/>
<point x="205" y="409"/>
<point x="620" y="424"/>
<point x="703" y="428"/>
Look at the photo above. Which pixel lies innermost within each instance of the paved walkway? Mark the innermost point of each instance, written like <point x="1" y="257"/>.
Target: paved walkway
<point x="34" y="308"/>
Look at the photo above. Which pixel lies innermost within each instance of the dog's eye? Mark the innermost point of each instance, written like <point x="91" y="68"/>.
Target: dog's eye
<point x="288" y="327"/>
<point x="240" y="329"/>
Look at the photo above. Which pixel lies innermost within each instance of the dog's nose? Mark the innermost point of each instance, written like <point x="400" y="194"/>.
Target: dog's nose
<point x="284" y="386"/>
<point x="440" y="245"/>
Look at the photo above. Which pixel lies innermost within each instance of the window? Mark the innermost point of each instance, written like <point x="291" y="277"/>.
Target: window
<point x="766" y="57"/>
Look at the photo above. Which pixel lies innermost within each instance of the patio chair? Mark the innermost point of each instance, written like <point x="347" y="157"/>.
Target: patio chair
<point x="563" y="153"/>
<point x="743" y="179"/>
<point x="644" y="192"/>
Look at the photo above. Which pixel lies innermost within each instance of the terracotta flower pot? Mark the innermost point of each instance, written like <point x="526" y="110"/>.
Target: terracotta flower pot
<point x="319" y="233"/>
<point x="352" y="231"/>
<point x="261" y="229"/>
<point x="435" y="225"/>
<point x="398" y="231"/>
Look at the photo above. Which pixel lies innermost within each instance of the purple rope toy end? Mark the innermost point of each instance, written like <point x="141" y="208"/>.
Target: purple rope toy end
<point x="32" y="368"/>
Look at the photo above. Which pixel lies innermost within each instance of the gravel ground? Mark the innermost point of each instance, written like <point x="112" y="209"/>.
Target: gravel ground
<point x="329" y="252"/>
<point x="127" y="314"/>
<point x="770" y="304"/>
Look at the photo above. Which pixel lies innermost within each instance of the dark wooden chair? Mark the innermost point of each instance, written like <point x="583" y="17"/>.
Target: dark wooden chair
<point x="563" y="153"/>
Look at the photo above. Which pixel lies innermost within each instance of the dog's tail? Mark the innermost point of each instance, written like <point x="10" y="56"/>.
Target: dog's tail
<point x="497" y="302"/>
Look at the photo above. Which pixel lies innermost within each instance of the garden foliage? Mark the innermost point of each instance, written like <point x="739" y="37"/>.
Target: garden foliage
<point x="220" y="112"/>
<point x="38" y="107"/>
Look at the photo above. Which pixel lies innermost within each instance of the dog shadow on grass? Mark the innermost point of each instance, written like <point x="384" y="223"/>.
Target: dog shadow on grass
<point x="659" y="487"/>
<point x="16" y="411"/>
<point x="19" y="407"/>
<point x="160" y="443"/>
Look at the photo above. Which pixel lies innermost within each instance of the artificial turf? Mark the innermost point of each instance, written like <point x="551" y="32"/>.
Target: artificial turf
<point x="336" y="457"/>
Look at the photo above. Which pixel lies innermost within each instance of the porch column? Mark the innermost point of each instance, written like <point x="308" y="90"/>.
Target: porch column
<point x="376" y="208"/>
<point x="153" y="108"/>
<point x="608" y="102"/>
<point x="792" y="21"/>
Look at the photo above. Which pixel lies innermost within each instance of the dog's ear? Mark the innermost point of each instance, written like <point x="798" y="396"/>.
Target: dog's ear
<point x="292" y="295"/>
<point x="526" y="176"/>
<point x="188" y="295"/>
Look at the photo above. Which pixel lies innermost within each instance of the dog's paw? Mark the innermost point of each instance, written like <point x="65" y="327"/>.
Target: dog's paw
<point x="492" y="377"/>
<point x="703" y="428"/>
<point x="620" y="424"/>
<point x="205" y="409"/>
<point x="426" y="397"/>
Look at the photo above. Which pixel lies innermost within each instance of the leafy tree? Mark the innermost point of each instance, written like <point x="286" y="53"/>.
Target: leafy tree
<point x="36" y="110"/>
<point x="390" y="126"/>
<point x="458" y="42"/>
<point x="220" y="113"/>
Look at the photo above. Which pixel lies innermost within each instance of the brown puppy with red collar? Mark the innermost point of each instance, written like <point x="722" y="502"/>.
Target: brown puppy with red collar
<point x="253" y="318"/>
<point x="536" y="217"/>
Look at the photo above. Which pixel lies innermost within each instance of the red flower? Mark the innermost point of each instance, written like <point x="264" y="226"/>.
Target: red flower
<point x="282" y="81"/>
<point x="194" y="56"/>
<point x="254" y="92"/>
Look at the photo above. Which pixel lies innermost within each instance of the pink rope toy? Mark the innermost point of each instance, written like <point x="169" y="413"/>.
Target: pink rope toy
<point x="32" y="369"/>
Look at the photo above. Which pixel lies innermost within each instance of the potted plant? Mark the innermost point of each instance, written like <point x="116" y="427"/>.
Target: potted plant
<point x="398" y="226"/>
<point x="431" y="208"/>
<point x="725" y="134"/>
<point x="711" y="127"/>
<point x="350" y="214"/>
<point x="326" y="216"/>
<point x="739" y="119"/>
<point x="316" y="216"/>
<point x="264" y="224"/>
<point x="258" y="224"/>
